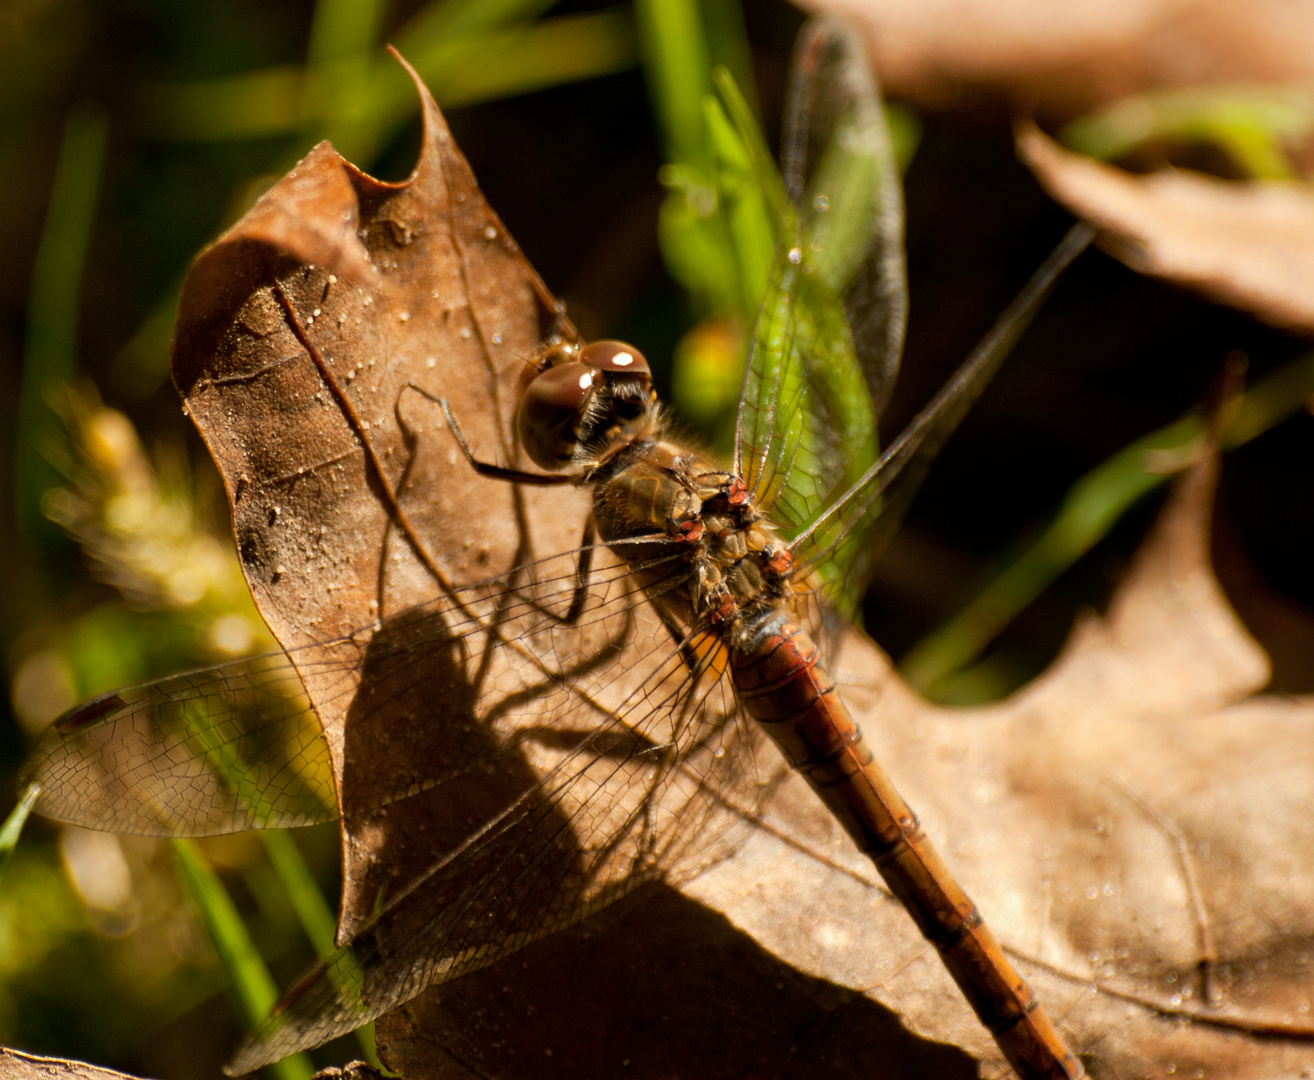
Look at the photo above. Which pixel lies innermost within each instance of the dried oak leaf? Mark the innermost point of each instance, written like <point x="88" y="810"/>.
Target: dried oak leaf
<point x="307" y="337"/>
<point x="1073" y="57"/>
<point x="15" y="1065"/>
<point x="1133" y="825"/>
<point x="1250" y="245"/>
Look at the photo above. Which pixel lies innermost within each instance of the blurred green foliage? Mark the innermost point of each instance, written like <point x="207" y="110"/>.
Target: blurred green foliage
<point x="942" y="665"/>
<point x="1256" y="126"/>
<point x="726" y="219"/>
<point x="53" y="307"/>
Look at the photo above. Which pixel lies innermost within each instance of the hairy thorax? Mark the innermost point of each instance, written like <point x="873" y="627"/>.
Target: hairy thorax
<point x="704" y="553"/>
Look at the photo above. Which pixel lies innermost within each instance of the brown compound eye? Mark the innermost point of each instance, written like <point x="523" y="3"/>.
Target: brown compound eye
<point x="550" y="410"/>
<point x="614" y="356"/>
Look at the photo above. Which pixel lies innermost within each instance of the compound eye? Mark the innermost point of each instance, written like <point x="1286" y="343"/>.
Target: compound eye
<point x="549" y="410"/>
<point x="614" y="356"/>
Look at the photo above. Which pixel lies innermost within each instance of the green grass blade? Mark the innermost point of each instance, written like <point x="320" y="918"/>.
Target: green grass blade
<point x="746" y="211"/>
<point x="343" y="29"/>
<point x="50" y="352"/>
<point x="1093" y="505"/>
<point x="308" y="902"/>
<point x="338" y="62"/>
<point x="519" y="60"/>
<point x="676" y="61"/>
<point x="254" y="104"/>
<point x="1253" y="124"/>
<point x="718" y="234"/>
<point x="13" y="825"/>
<point x="313" y="912"/>
<point x="500" y="62"/>
<point x="740" y="113"/>
<point x="728" y="48"/>
<point x="250" y="983"/>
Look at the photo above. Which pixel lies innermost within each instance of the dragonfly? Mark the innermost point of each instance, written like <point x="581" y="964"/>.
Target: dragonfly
<point x="606" y="709"/>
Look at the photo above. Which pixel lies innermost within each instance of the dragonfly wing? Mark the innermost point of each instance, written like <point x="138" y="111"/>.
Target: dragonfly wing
<point x="210" y="751"/>
<point x="826" y="345"/>
<point x="841" y="170"/>
<point x="635" y="769"/>
<point x="238" y="745"/>
<point x="869" y="512"/>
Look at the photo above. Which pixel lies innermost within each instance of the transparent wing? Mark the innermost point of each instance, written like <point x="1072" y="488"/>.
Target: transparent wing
<point x="868" y="513"/>
<point x="571" y="761"/>
<point x="620" y="792"/>
<point x="841" y="171"/>
<point x="238" y="745"/>
<point x="210" y="751"/>
<point x="826" y="345"/>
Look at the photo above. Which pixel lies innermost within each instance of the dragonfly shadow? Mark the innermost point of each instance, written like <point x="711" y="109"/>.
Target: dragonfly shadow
<point x="424" y="772"/>
<point x="656" y="986"/>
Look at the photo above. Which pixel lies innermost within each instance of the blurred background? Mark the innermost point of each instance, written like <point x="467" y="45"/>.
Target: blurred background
<point x="134" y="131"/>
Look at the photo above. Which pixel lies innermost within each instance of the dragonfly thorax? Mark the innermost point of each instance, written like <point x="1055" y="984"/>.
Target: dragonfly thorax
<point x="698" y="542"/>
<point x="584" y="403"/>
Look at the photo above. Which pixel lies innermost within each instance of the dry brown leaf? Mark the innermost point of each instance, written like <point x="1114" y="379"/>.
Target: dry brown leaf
<point x="15" y="1065"/>
<point x="411" y="274"/>
<point x="1073" y="57"/>
<point x="1250" y="245"/>
<point x="1133" y="824"/>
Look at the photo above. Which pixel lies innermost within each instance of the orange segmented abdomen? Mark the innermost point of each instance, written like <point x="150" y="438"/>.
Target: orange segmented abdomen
<point x="784" y="687"/>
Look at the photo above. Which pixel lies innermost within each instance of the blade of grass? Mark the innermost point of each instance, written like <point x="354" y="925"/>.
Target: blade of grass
<point x="1254" y="124"/>
<point x="1092" y="506"/>
<point x="251" y="105"/>
<point x="338" y="61"/>
<point x="50" y="351"/>
<point x="308" y="902"/>
<point x="740" y="113"/>
<point x="250" y="983"/>
<point x="496" y="63"/>
<point x="343" y="29"/>
<point x="746" y="212"/>
<point x="519" y="60"/>
<point x="727" y="44"/>
<point x="676" y="62"/>
<point x="13" y="826"/>
<point x="313" y="912"/>
<point x="444" y="20"/>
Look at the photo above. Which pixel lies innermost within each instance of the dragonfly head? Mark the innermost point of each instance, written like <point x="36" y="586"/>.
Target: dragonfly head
<point x="584" y="400"/>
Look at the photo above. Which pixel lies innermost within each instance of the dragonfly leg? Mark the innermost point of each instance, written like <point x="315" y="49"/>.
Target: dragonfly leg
<point x="582" y="570"/>
<point x="359" y="427"/>
<point x="486" y="468"/>
<point x="682" y="640"/>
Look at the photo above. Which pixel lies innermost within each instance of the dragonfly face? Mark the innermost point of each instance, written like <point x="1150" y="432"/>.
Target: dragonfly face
<point x="620" y="678"/>
<point x="584" y="403"/>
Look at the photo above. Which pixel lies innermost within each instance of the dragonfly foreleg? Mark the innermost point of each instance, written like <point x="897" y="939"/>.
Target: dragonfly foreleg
<point x="486" y="468"/>
<point x="582" y="571"/>
<point x="583" y="568"/>
<point x="683" y="641"/>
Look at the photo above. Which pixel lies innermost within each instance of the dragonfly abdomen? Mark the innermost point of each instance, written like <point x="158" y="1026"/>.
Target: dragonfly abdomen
<point x="784" y="687"/>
